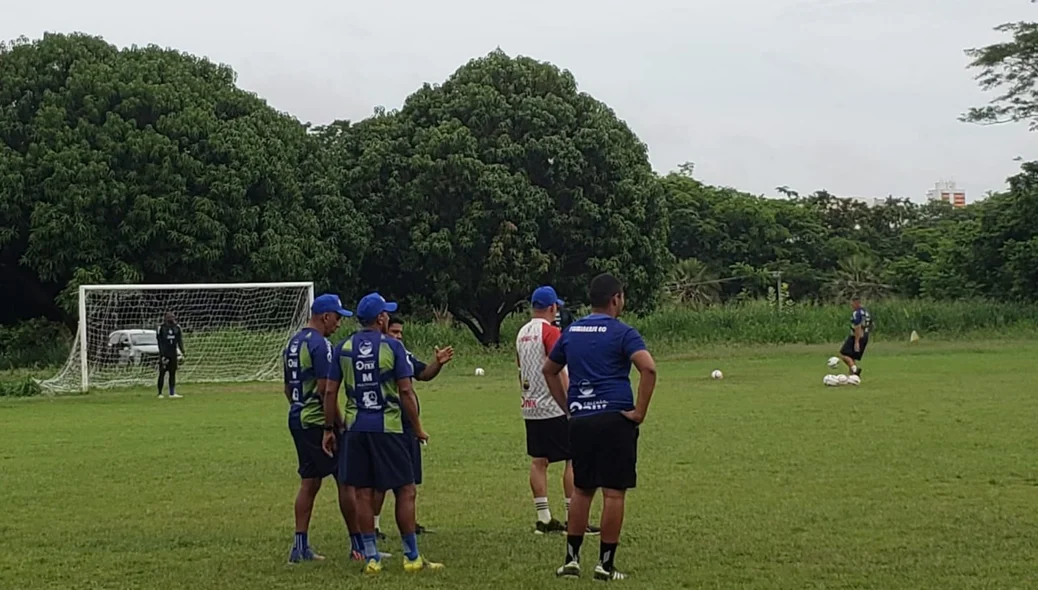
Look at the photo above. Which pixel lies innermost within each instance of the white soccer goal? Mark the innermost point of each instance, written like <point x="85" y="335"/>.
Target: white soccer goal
<point x="232" y="332"/>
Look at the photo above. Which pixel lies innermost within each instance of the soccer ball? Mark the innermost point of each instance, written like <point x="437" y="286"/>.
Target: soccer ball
<point x="480" y="372"/>
<point x="830" y="381"/>
<point x="716" y="374"/>
<point x="833" y="361"/>
<point x="842" y="379"/>
<point x="854" y="380"/>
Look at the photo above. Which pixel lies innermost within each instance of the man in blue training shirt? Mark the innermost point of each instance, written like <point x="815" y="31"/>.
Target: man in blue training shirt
<point x="598" y="350"/>
<point x="376" y="453"/>
<point x="854" y="346"/>
<point x="307" y="360"/>
<point x="422" y="372"/>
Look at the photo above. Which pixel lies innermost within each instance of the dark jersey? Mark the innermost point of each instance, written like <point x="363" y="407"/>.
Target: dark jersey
<point x="170" y="340"/>
<point x="597" y="350"/>
<point x="861" y="317"/>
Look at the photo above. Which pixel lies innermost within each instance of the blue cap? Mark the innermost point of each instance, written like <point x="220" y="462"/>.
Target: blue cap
<point x="545" y="297"/>
<point x="329" y="303"/>
<point x="372" y="305"/>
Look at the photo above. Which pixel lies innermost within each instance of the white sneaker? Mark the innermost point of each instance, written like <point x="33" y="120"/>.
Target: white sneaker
<point x="570" y="570"/>
<point x="175" y="396"/>
<point x="605" y="575"/>
<point x="160" y="396"/>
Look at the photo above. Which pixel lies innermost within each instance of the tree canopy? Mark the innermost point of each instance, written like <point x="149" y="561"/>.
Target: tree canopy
<point x="150" y="165"/>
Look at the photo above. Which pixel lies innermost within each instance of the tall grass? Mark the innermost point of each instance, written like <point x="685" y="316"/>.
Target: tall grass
<point x="671" y="328"/>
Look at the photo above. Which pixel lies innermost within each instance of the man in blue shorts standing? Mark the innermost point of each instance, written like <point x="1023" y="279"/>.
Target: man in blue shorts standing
<point x="422" y="372"/>
<point x="598" y="351"/>
<point x="307" y="360"/>
<point x="376" y="454"/>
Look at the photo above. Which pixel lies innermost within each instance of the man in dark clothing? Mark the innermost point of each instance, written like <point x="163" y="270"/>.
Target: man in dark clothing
<point x="171" y="343"/>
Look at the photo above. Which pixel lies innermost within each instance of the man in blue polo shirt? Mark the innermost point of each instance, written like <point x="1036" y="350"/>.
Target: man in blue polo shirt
<point x="376" y="454"/>
<point x="598" y="351"/>
<point x="307" y="360"/>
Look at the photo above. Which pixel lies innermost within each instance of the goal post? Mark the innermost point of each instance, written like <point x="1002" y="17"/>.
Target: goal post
<point x="231" y="331"/>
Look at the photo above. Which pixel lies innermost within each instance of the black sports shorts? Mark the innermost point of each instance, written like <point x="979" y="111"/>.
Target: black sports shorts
<point x="548" y="439"/>
<point x="848" y="347"/>
<point x="604" y="449"/>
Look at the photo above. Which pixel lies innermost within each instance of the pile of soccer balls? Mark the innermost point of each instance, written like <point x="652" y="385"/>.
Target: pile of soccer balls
<point x="838" y="380"/>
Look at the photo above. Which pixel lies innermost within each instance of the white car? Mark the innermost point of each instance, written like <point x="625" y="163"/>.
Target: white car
<point x="134" y="346"/>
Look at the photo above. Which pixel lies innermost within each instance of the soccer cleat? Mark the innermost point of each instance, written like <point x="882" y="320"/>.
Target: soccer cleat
<point x="593" y="531"/>
<point x="373" y="567"/>
<point x="552" y="526"/>
<point x="161" y="396"/>
<point x="420" y="530"/>
<point x="420" y="564"/>
<point x="856" y="370"/>
<point x="604" y="575"/>
<point x="570" y="570"/>
<point x="175" y="396"/>
<point x="307" y="554"/>
<point x="380" y="535"/>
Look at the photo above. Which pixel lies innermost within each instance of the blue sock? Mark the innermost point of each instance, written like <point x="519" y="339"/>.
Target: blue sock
<point x="370" y="547"/>
<point x="171" y="392"/>
<point x="411" y="546"/>
<point x="301" y="543"/>
<point x="357" y="543"/>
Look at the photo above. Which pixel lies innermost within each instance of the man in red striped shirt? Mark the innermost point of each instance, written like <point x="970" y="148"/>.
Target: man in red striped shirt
<point x="547" y="427"/>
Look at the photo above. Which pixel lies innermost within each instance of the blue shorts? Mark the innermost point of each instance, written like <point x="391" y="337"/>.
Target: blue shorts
<point x="313" y="462"/>
<point x="416" y="459"/>
<point x="378" y="460"/>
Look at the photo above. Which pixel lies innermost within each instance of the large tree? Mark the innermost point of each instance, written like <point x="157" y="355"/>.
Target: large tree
<point x="502" y="178"/>
<point x="146" y="164"/>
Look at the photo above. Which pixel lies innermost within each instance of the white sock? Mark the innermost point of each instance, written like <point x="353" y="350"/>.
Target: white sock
<point x="543" y="514"/>
<point x="567" y="509"/>
<point x="378" y="517"/>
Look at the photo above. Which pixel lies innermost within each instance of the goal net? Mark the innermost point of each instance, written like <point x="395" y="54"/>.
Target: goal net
<point x="231" y="332"/>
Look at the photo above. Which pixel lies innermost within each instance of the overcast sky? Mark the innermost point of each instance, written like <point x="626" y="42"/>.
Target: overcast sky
<point x="860" y="97"/>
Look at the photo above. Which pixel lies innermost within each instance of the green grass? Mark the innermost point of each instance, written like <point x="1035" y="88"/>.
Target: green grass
<point x="924" y="477"/>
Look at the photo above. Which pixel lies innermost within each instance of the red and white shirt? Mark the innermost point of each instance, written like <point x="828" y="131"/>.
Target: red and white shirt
<point x="532" y="346"/>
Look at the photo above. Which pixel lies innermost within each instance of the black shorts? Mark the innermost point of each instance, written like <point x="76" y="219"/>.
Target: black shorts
<point x="313" y="462"/>
<point x="378" y="460"/>
<point x="548" y="439"/>
<point x="605" y="451"/>
<point x="848" y="347"/>
<point x="169" y="363"/>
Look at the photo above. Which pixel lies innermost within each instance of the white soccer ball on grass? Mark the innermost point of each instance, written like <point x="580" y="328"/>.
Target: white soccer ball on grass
<point x="830" y="381"/>
<point x="842" y="379"/>
<point x="832" y="362"/>
<point x="480" y="372"/>
<point x="854" y="380"/>
<point x="717" y="374"/>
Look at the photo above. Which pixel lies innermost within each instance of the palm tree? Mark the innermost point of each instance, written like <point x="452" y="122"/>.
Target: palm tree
<point x="692" y="283"/>
<point x="857" y="274"/>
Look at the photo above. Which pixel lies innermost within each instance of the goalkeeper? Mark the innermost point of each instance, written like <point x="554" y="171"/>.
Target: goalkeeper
<point x="171" y="343"/>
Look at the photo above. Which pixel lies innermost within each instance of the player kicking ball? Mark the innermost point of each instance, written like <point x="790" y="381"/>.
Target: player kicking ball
<point x="854" y="347"/>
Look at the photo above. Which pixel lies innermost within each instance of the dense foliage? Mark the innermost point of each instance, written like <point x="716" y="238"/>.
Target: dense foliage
<point x="150" y="165"/>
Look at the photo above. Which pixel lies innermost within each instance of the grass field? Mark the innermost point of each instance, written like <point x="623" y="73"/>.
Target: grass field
<point x="924" y="477"/>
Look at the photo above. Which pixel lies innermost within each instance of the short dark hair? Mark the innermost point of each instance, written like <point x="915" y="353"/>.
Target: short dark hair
<point x="856" y="298"/>
<point x="395" y="320"/>
<point x="603" y="288"/>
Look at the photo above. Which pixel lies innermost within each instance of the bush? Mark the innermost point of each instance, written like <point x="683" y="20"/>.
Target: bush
<point x="34" y="343"/>
<point x="24" y="387"/>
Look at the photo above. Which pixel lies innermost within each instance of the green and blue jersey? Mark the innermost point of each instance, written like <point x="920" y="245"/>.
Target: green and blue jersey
<point x="369" y="364"/>
<point x="306" y="359"/>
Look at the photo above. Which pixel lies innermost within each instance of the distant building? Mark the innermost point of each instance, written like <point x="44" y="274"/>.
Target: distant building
<point x="867" y="201"/>
<point x="946" y="191"/>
